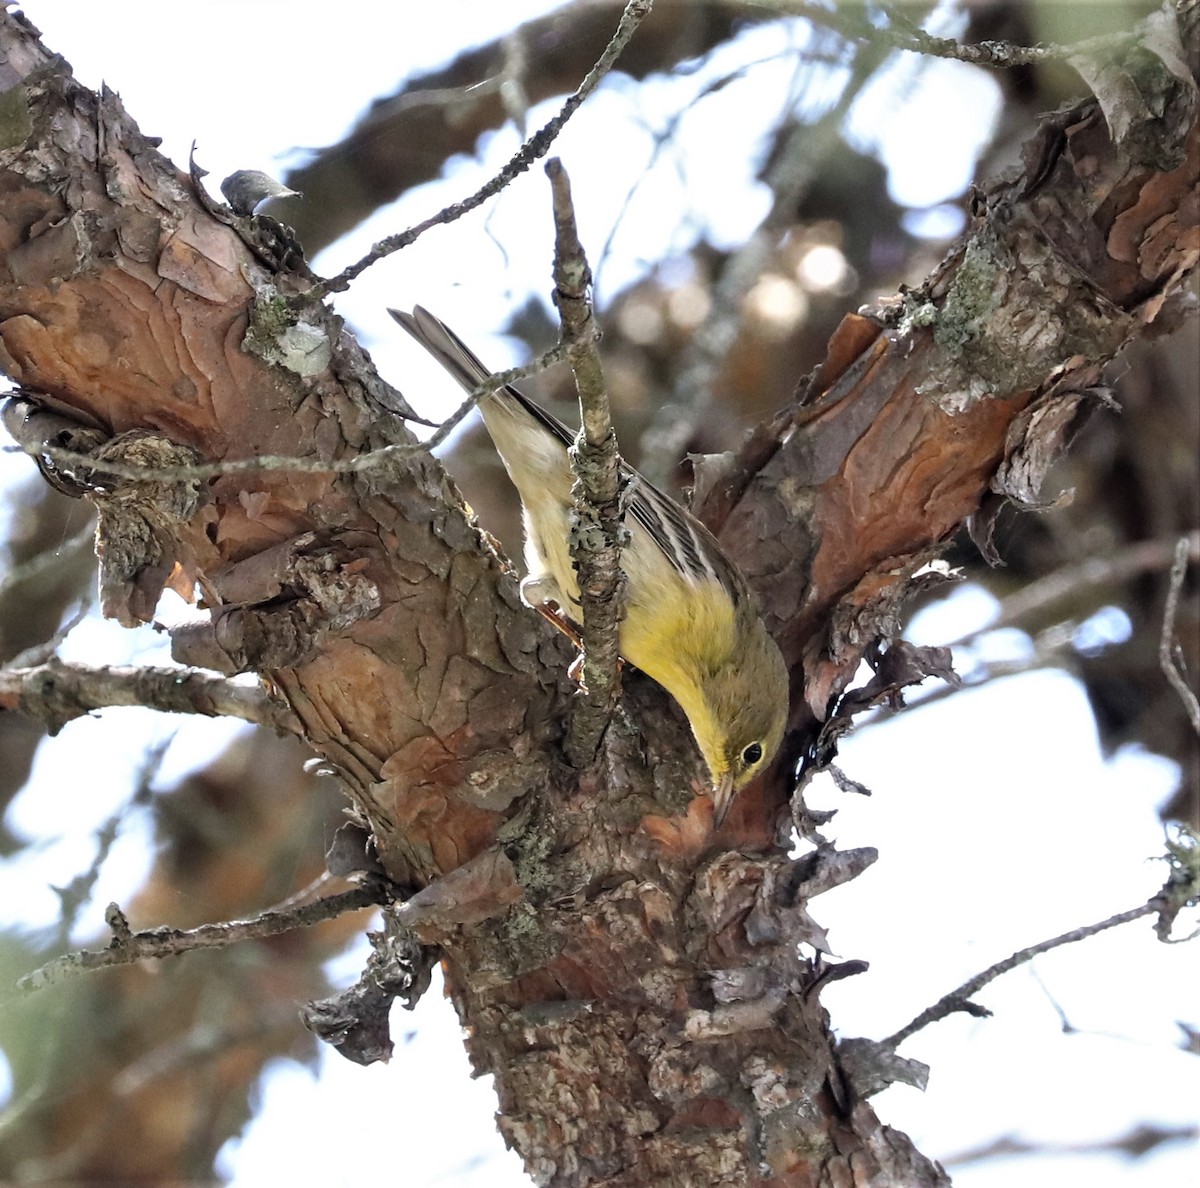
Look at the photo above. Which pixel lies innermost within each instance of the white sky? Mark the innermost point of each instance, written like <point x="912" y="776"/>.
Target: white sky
<point x="976" y="859"/>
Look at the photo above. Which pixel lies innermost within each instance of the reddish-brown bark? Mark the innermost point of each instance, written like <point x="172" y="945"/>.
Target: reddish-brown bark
<point x="644" y="1005"/>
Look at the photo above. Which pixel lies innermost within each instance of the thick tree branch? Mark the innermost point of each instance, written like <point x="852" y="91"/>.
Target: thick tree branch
<point x="27" y="429"/>
<point x="900" y="414"/>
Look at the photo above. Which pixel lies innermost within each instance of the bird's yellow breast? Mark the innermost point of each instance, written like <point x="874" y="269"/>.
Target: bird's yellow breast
<point x="680" y="634"/>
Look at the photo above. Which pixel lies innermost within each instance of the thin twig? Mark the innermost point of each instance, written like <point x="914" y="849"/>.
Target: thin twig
<point x="40" y="653"/>
<point x="534" y="148"/>
<point x="127" y="948"/>
<point x="41" y="563"/>
<point x="264" y="463"/>
<point x="598" y="526"/>
<point x="852" y="22"/>
<point x="1168" y="659"/>
<point x="960" y="999"/>
<point x="1053" y="646"/>
<point x="1134" y="1144"/>
<point x="79" y="890"/>
<point x="304" y="894"/>
<point x="58" y="692"/>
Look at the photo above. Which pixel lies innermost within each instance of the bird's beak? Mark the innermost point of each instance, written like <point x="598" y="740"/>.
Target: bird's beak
<point x="722" y="796"/>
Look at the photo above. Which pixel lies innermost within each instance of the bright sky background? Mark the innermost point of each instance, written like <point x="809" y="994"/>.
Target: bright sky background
<point x="977" y="859"/>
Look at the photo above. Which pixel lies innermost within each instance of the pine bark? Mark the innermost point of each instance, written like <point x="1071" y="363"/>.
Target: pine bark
<point x="639" y="986"/>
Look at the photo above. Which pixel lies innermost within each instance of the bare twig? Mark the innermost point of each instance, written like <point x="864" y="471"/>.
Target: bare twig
<point x="205" y="1042"/>
<point x="57" y="692"/>
<point x="960" y="999"/>
<point x="40" y="653"/>
<point x="597" y="528"/>
<point x="1181" y="889"/>
<point x="43" y="562"/>
<point x="534" y="148"/>
<point x="78" y="891"/>
<point x="1168" y="649"/>
<point x="1051" y="647"/>
<point x="73" y="460"/>
<point x="1137" y="1142"/>
<point x="853" y="22"/>
<point x="304" y="894"/>
<point x="128" y="947"/>
<point x="513" y="67"/>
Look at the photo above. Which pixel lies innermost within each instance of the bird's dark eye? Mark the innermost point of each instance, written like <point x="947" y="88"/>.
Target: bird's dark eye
<point x="752" y="754"/>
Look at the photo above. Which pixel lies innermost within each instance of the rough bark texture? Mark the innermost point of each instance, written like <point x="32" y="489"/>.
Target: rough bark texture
<point x="636" y="985"/>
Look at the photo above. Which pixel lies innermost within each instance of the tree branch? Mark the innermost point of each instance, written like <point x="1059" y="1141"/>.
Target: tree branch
<point x="75" y="461"/>
<point x="79" y="890"/>
<point x="440" y="704"/>
<point x="536" y="146"/>
<point x="128" y="946"/>
<point x="1063" y="584"/>
<point x="1168" y="659"/>
<point x="41" y="563"/>
<point x="598" y="528"/>
<point x="797" y="166"/>
<point x="59" y="691"/>
<point x="908" y="36"/>
<point x="873" y="1064"/>
<point x="960" y="999"/>
<point x="1181" y="889"/>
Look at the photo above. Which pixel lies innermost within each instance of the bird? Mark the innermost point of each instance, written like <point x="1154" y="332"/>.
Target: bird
<point x="691" y="622"/>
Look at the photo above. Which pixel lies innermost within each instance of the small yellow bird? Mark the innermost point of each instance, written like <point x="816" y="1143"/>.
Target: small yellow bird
<point x="690" y="621"/>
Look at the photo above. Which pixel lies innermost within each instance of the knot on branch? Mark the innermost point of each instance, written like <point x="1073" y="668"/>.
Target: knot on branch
<point x="137" y="530"/>
<point x="282" y="605"/>
<point x="1182" y="888"/>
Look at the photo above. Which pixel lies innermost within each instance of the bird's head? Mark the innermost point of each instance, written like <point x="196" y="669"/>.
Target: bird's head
<point x="740" y="714"/>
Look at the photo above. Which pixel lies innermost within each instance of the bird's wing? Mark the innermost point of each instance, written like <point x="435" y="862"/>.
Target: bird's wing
<point x="686" y="543"/>
<point x="464" y="365"/>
